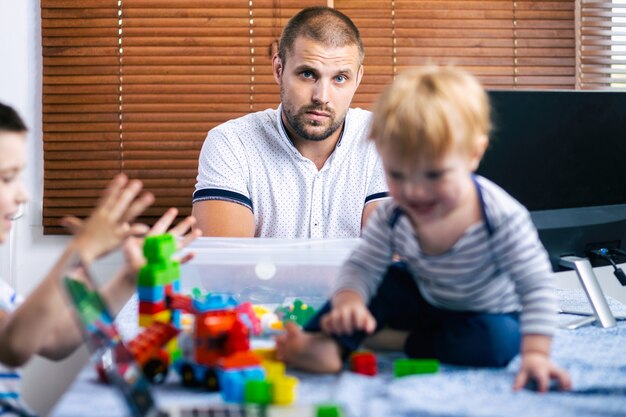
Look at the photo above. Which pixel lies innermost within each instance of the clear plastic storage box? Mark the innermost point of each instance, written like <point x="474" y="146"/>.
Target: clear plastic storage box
<point x="267" y="270"/>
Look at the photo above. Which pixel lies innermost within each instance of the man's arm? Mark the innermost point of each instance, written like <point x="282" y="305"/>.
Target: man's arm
<point x="220" y="218"/>
<point x="368" y="210"/>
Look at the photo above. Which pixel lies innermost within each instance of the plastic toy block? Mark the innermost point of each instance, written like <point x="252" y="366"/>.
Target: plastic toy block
<point x="265" y="353"/>
<point x="146" y="320"/>
<point x="162" y="273"/>
<point x="404" y="367"/>
<point x="213" y="302"/>
<point x="256" y="373"/>
<point x="152" y="294"/>
<point x="284" y="390"/>
<point x="364" y="363"/>
<point x="158" y="248"/>
<point x="258" y="392"/>
<point x="298" y="312"/>
<point x="328" y="410"/>
<point x="241" y="359"/>
<point x="273" y="369"/>
<point x="147" y="307"/>
<point x="232" y="386"/>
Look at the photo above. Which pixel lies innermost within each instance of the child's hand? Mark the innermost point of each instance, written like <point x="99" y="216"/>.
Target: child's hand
<point x="537" y="367"/>
<point x="133" y="247"/>
<point x="110" y="223"/>
<point x="349" y="314"/>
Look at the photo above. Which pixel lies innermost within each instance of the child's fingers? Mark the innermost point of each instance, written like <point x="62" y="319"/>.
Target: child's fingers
<point x="164" y="221"/>
<point x="124" y="200"/>
<point x="181" y="228"/>
<point x="370" y="324"/>
<point x="137" y="207"/>
<point x="194" y="234"/>
<point x="563" y="378"/>
<point x="187" y="257"/>
<point x="138" y="229"/>
<point x="109" y="195"/>
<point x="71" y="223"/>
<point x="520" y="380"/>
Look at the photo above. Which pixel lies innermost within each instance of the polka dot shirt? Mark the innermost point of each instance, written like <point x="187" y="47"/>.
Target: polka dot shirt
<point x="251" y="161"/>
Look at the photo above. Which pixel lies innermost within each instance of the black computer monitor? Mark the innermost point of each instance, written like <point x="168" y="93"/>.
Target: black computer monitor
<point x="563" y="155"/>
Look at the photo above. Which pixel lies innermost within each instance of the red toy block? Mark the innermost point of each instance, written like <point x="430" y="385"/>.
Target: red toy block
<point x="364" y="363"/>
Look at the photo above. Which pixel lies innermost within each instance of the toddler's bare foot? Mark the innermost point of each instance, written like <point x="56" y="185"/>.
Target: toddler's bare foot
<point x="313" y="352"/>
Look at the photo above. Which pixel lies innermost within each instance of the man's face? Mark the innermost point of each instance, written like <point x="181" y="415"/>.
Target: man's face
<point x="317" y="84"/>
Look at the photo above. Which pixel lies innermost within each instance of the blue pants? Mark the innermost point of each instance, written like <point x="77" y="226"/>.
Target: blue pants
<point x="459" y="338"/>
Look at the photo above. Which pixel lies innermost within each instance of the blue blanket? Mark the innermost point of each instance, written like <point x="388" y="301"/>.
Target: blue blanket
<point x="595" y="358"/>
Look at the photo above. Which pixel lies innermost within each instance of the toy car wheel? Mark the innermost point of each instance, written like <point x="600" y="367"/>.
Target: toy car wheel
<point x="155" y="371"/>
<point x="211" y="382"/>
<point x="188" y="377"/>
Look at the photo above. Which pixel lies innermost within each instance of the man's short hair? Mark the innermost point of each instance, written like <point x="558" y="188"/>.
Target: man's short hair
<point x="321" y="24"/>
<point x="10" y="121"/>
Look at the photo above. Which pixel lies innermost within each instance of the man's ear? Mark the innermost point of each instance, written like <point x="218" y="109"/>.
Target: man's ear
<point x="359" y="75"/>
<point x="480" y="147"/>
<point x="277" y="67"/>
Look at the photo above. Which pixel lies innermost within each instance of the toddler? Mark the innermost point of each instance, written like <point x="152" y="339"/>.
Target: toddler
<point x="473" y="284"/>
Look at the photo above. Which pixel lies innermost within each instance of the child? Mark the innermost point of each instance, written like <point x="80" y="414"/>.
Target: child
<point x="474" y="275"/>
<point x="43" y="323"/>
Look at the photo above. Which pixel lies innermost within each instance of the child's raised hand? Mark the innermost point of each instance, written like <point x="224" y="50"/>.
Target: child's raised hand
<point x="536" y="368"/>
<point x="111" y="221"/>
<point x="133" y="247"/>
<point x="348" y="314"/>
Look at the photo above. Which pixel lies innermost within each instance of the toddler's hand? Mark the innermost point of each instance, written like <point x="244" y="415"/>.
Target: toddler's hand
<point x="537" y="367"/>
<point x="349" y="314"/>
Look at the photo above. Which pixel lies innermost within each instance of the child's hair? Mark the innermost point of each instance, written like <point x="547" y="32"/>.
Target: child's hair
<point x="430" y="111"/>
<point x="10" y="121"/>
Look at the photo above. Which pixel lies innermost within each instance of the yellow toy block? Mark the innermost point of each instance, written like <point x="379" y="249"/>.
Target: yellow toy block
<point x="145" y="320"/>
<point x="284" y="390"/>
<point x="273" y="369"/>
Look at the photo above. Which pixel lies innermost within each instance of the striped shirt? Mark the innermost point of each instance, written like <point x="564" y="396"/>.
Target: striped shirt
<point x="251" y="161"/>
<point x="504" y="271"/>
<point x="9" y="378"/>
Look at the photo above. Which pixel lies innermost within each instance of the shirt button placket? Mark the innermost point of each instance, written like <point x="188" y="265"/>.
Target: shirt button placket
<point x="317" y="226"/>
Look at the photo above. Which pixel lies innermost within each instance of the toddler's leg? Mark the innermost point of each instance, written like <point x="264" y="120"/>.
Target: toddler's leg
<point x="469" y="339"/>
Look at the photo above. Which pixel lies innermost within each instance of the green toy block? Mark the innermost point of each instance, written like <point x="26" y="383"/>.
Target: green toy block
<point x="158" y="274"/>
<point x="404" y="367"/>
<point x="328" y="410"/>
<point x="258" y="392"/>
<point x="159" y="248"/>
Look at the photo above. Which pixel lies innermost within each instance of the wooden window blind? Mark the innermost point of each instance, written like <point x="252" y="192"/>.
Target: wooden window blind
<point x="134" y="85"/>
<point x="601" y="45"/>
<point x="507" y="44"/>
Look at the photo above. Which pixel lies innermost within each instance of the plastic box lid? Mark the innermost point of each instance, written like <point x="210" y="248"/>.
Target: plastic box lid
<point x="267" y="270"/>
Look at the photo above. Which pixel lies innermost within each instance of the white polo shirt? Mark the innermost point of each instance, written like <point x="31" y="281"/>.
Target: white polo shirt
<point x="251" y="161"/>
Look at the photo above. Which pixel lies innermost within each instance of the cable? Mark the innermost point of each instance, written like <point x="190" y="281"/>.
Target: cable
<point x="604" y="253"/>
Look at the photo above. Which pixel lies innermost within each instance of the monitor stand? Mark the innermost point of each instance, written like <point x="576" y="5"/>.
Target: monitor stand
<point x="602" y="314"/>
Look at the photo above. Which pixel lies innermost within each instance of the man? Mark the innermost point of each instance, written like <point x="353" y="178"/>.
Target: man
<point x="304" y="170"/>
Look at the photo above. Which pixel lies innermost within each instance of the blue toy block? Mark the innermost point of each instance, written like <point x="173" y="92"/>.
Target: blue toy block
<point x="232" y="384"/>
<point x="152" y="294"/>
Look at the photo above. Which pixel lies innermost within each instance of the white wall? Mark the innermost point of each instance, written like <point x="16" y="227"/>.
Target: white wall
<point x="33" y="253"/>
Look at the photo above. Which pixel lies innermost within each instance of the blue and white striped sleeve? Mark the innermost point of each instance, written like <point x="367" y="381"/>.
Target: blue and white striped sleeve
<point x="222" y="171"/>
<point x="522" y="255"/>
<point x="364" y="270"/>
<point x="9" y="299"/>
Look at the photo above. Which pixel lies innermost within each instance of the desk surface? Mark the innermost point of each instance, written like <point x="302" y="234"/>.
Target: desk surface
<point x="595" y="358"/>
